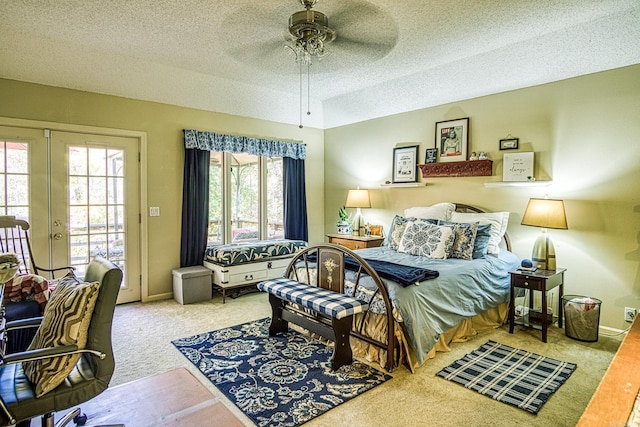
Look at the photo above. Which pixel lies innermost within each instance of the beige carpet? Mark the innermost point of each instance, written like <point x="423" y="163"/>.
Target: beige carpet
<point x="142" y="343"/>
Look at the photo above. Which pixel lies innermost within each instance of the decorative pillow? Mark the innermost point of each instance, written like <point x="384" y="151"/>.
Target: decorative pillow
<point x="65" y="322"/>
<point x="464" y="238"/>
<point x="482" y="241"/>
<point x="498" y="221"/>
<point x="396" y="230"/>
<point x="438" y="211"/>
<point x="424" y="239"/>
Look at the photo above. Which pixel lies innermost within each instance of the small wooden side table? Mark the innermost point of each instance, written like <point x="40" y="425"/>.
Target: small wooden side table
<point x="355" y="242"/>
<point x="542" y="281"/>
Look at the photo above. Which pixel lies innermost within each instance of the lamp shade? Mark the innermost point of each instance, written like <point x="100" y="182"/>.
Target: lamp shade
<point x="358" y="199"/>
<point x="545" y="213"/>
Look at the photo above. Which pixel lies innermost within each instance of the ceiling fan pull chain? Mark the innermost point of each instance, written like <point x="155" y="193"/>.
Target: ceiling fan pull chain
<point x="300" y="64"/>
<point x="308" y="90"/>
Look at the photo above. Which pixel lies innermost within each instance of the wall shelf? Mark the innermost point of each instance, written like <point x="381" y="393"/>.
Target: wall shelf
<point x="404" y="184"/>
<point x="518" y="184"/>
<point x="456" y="169"/>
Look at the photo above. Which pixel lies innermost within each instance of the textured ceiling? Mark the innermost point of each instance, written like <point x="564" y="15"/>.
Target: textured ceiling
<point x="389" y="56"/>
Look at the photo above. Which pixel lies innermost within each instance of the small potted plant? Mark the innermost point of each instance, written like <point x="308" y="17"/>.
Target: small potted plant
<point x="344" y="221"/>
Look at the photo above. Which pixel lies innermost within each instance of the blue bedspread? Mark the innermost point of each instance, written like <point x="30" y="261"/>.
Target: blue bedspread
<point x="462" y="289"/>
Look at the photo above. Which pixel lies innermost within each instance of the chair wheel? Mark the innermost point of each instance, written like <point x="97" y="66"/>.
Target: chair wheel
<point x="80" y="420"/>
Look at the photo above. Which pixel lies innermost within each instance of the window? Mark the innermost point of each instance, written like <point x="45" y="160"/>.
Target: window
<point x="14" y="179"/>
<point x="245" y="198"/>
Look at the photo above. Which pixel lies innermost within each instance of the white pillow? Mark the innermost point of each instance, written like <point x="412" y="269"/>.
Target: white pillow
<point x="438" y="211"/>
<point x="498" y="221"/>
<point x="428" y="240"/>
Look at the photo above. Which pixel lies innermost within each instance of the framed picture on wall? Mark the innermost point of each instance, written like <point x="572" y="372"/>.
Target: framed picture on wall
<point x="452" y="140"/>
<point x="431" y="156"/>
<point x="405" y="164"/>
<point x="509" y="143"/>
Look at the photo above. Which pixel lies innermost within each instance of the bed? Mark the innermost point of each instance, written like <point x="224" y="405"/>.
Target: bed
<point x="457" y="297"/>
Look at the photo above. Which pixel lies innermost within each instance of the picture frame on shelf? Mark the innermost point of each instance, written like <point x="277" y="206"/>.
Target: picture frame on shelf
<point x="452" y="140"/>
<point x="431" y="156"/>
<point x="509" y="143"/>
<point x="518" y="167"/>
<point x="405" y="164"/>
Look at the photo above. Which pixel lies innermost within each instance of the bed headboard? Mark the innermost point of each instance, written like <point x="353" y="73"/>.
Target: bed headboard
<point x="461" y="207"/>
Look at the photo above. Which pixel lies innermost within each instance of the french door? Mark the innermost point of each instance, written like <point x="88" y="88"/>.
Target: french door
<point x="80" y="194"/>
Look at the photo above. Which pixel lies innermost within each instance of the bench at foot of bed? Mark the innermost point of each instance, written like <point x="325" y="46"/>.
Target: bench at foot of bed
<point x="324" y="305"/>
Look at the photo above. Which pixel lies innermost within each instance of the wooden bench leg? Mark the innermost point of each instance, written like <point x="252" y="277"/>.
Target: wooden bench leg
<point x="277" y="323"/>
<point x="342" y="354"/>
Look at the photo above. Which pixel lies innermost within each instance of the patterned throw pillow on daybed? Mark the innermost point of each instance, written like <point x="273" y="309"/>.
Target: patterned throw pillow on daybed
<point x="424" y="239"/>
<point x="65" y="322"/>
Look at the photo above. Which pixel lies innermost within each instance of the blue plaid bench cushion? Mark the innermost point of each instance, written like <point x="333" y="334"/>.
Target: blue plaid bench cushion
<point x="254" y="251"/>
<point x="321" y="300"/>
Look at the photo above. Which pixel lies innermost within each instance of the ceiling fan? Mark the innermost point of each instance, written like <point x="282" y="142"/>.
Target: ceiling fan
<point x="345" y="34"/>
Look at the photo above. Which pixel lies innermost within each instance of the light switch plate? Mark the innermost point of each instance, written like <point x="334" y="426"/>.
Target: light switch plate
<point x="154" y="211"/>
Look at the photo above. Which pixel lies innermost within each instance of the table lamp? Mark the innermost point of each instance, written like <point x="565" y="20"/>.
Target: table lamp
<point x="357" y="199"/>
<point x="545" y="213"/>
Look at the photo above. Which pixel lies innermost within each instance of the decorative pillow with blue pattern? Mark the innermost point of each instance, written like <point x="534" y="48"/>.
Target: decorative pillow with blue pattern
<point x="464" y="240"/>
<point x="425" y="239"/>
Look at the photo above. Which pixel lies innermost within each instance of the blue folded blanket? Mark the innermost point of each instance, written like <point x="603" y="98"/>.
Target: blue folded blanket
<point x="402" y="274"/>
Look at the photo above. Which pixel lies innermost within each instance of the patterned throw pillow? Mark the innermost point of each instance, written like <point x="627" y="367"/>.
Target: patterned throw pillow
<point x="396" y="229"/>
<point x="65" y="322"/>
<point x="424" y="239"/>
<point x="464" y="238"/>
<point x="498" y="221"/>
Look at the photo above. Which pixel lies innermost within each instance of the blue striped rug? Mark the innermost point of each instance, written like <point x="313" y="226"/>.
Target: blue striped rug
<point x="509" y="375"/>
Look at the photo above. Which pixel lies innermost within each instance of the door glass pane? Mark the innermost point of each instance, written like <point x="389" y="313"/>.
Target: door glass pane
<point x="216" y="230"/>
<point x="275" y="205"/>
<point x="245" y="199"/>
<point x="14" y="177"/>
<point x="96" y="213"/>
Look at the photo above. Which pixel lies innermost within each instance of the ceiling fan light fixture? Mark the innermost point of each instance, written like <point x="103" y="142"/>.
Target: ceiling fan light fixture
<point x="307" y="34"/>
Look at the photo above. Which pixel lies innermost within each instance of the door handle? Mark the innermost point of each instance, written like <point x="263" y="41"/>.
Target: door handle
<point x="57" y="236"/>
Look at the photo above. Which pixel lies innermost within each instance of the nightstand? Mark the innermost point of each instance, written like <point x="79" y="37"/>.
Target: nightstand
<point x="355" y="242"/>
<point x="542" y="281"/>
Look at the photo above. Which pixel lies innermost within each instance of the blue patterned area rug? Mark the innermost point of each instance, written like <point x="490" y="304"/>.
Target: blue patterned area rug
<point x="284" y="380"/>
<point x="509" y="375"/>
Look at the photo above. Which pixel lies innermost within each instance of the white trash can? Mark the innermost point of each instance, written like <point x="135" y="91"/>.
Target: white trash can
<point x="192" y="284"/>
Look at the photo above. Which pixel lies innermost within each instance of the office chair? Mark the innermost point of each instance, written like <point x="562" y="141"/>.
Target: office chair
<point x="90" y="375"/>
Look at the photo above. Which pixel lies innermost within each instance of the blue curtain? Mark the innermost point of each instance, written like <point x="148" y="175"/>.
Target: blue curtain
<point x="195" y="191"/>
<point x="195" y="207"/>
<point x="295" y="200"/>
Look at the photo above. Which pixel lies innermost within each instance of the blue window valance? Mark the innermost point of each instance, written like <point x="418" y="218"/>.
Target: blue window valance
<point x="212" y="141"/>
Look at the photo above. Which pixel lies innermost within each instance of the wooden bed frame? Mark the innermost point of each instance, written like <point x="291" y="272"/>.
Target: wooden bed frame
<point x="305" y="260"/>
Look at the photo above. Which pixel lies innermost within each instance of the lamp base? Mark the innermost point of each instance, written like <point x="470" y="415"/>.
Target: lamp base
<point x="544" y="253"/>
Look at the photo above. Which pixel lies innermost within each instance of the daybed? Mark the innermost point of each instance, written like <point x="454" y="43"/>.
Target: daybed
<point x="466" y="287"/>
<point x="240" y="264"/>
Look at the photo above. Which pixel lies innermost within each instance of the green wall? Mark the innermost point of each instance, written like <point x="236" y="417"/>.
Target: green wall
<point x="163" y="125"/>
<point x="585" y="133"/>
